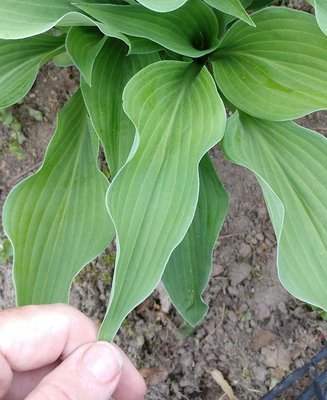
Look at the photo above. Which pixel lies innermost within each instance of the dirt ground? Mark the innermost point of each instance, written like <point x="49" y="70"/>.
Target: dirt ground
<point x="254" y="333"/>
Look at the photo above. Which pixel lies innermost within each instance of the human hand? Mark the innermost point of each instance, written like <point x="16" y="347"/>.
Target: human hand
<point x="49" y="352"/>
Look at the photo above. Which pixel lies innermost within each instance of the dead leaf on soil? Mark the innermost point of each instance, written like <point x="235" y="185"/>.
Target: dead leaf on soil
<point x="221" y="381"/>
<point x="262" y="338"/>
<point x="154" y="376"/>
<point x="277" y="356"/>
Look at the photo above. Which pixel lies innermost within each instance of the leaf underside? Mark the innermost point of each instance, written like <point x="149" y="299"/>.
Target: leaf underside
<point x="189" y="267"/>
<point x="231" y="7"/>
<point x="178" y="115"/>
<point x="290" y="164"/>
<point x="162" y="6"/>
<point x="56" y="219"/>
<point x="321" y="14"/>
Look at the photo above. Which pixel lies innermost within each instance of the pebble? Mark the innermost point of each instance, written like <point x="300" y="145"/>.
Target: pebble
<point x="259" y="373"/>
<point x="282" y="307"/>
<point x="244" y="250"/>
<point x="232" y="316"/>
<point x="260" y="237"/>
<point x="262" y="312"/>
<point x="239" y="272"/>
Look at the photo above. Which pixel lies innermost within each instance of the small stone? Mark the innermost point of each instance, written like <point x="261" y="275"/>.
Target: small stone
<point x="239" y="272"/>
<point x="260" y="237"/>
<point x="282" y="307"/>
<point x="262" y="338"/>
<point x="262" y="312"/>
<point x="270" y="355"/>
<point x="244" y="250"/>
<point x="233" y="291"/>
<point x="217" y="270"/>
<point x="283" y="358"/>
<point x="232" y="316"/>
<point x="154" y="376"/>
<point x="260" y="373"/>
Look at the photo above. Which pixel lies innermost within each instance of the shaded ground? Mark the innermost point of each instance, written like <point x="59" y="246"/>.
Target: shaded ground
<point x="254" y="333"/>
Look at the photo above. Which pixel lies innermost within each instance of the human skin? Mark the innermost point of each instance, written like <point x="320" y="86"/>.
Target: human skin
<point x="50" y="352"/>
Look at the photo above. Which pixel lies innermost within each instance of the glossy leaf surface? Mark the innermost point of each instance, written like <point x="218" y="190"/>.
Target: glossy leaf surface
<point x="190" y="30"/>
<point x="104" y="100"/>
<point x="178" y="115"/>
<point x="24" y="18"/>
<point x="290" y="163"/>
<point x="321" y="14"/>
<point x="162" y="6"/>
<point x="57" y="219"/>
<point x="231" y="7"/>
<point x="188" y="270"/>
<point x="83" y="45"/>
<point x="275" y="76"/>
<point x="20" y="61"/>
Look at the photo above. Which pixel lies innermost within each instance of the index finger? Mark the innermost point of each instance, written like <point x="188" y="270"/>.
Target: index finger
<point x="34" y="336"/>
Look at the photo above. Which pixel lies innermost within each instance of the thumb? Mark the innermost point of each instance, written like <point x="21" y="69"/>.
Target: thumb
<point x="91" y="372"/>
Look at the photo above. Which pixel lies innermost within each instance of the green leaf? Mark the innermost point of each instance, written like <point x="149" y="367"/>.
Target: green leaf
<point x="62" y="60"/>
<point x="321" y="14"/>
<point x="276" y="77"/>
<point x="191" y="30"/>
<point x="231" y="7"/>
<point x="112" y="70"/>
<point x="24" y="18"/>
<point x="20" y="61"/>
<point x="259" y="4"/>
<point x="162" y="6"/>
<point x="139" y="45"/>
<point x="178" y="116"/>
<point x="83" y="44"/>
<point x="290" y="163"/>
<point x="189" y="267"/>
<point x="57" y="219"/>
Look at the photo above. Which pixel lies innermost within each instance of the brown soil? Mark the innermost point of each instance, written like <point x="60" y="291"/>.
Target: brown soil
<point x="254" y="333"/>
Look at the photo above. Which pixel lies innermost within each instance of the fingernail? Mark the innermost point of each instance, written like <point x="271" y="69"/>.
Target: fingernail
<point x="103" y="361"/>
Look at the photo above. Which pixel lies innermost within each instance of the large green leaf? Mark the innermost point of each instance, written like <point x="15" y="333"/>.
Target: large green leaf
<point x="178" y="115"/>
<point x="162" y="6"/>
<point x="290" y="163"/>
<point x="259" y="4"/>
<point x="231" y="7"/>
<point x="112" y="70"/>
<point x="187" y="272"/>
<point x="190" y="30"/>
<point x="83" y="45"/>
<point x="321" y="14"/>
<point x="57" y="219"/>
<point x="276" y="71"/>
<point x="20" y="61"/>
<point x="24" y="18"/>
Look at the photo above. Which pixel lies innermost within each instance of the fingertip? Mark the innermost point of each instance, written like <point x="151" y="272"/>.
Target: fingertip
<point x="131" y="385"/>
<point x="103" y="361"/>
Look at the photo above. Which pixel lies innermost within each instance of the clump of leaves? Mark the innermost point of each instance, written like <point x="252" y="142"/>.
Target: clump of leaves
<point x="156" y="79"/>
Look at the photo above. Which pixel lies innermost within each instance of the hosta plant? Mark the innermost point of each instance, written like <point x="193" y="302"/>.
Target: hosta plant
<point x="156" y="79"/>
